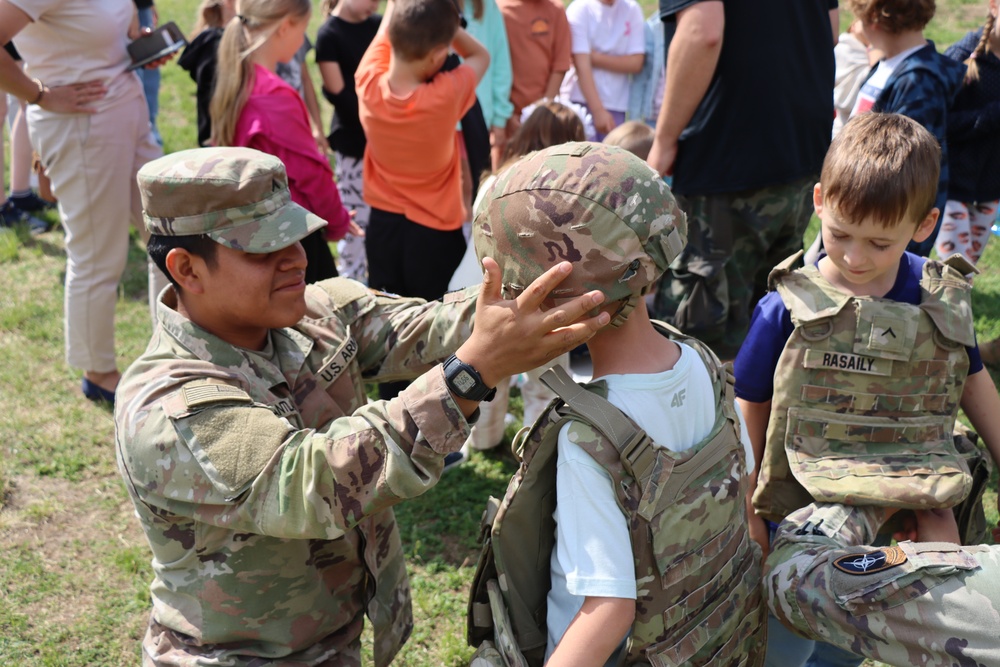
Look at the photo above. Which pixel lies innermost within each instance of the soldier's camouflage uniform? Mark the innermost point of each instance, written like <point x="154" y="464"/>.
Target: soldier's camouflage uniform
<point x="926" y="604"/>
<point x="263" y="480"/>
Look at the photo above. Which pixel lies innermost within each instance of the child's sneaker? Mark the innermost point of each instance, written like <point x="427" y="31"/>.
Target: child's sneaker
<point x="11" y="215"/>
<point x="455" y="459"/>
<point x="31" y="203"/>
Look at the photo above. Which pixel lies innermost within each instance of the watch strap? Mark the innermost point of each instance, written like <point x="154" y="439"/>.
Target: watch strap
<point x="464" y="381"/>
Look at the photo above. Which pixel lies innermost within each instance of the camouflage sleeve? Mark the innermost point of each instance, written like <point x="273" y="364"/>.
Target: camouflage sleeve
<point x="400" y="337"/>
<point x="237" y="465"/>
<point x="910" y="604"/>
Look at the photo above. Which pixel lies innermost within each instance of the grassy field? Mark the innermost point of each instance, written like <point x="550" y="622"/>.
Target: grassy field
<point x="75" y="565"/>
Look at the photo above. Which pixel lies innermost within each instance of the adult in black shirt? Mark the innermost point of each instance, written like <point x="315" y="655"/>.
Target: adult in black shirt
<point x="744" y="127"/>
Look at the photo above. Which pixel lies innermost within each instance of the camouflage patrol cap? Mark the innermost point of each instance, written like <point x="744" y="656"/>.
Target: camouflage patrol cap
<point x="237" y="196"/>
<point x="600" y="207"/>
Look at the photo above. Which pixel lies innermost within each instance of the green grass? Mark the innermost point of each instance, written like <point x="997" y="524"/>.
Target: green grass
<point x="75" y="565"/>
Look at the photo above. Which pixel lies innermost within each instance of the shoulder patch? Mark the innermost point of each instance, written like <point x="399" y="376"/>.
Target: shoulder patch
<point x="871" y="562"/>
<point x="344" y="291"/>
<point x="203" y="392"/>
<point x="959" y="263"/>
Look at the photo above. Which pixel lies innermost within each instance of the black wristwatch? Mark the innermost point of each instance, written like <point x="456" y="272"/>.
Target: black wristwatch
<point x="463" y="380"/>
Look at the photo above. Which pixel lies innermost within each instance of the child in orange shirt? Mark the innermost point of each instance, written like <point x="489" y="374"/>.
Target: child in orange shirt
<point x="412" y="173"/>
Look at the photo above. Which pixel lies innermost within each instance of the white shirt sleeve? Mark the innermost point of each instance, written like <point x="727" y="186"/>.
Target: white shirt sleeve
<point x="579" y="26"/>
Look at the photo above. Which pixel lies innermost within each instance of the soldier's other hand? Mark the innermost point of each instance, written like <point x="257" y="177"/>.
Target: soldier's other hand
<point x="908" y="528"/>
<point x="937" y="525"/>
<point x="517" y="335"/>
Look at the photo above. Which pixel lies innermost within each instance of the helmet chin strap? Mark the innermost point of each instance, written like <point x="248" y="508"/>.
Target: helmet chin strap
<point x="625" y="308"/>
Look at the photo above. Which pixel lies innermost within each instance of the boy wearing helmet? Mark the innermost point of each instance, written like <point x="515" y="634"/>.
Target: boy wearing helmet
<point x="635" y="534"/>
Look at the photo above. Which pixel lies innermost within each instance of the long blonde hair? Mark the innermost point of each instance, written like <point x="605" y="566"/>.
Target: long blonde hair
<point x="972" y="67"/>
<point x="253" y="25"/>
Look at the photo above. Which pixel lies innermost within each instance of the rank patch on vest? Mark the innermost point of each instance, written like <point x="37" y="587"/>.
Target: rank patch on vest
<point x="889" y="334"/>
<point x="847" y="362"/>
<point x="333" y="368"/>
<point x="870" y="563"/>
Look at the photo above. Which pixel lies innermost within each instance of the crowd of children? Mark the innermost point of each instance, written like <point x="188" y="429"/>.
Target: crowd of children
<point x="854" y="367"/>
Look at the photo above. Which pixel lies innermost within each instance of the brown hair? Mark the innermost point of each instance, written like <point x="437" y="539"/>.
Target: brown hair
<point x="254" y="23"/>
<point x="894" y="16"/>
<point x="634" y="136"/>
<point x="972" y="67"/>
<point x="419" y="26"/>
<point x="327" y="6"/>
<point x="884" y="167"/>
<point x="550" y="124"/>
<point x="209" y="16"/>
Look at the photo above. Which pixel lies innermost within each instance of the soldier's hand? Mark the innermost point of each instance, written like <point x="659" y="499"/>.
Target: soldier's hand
<point x="937" y="525"/>
<point x="517" y="335"/>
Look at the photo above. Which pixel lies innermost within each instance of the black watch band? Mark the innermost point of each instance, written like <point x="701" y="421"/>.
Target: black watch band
<point x="463" y="380"/>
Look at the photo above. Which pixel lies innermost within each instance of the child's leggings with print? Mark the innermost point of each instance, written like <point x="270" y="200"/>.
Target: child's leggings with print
<point x="965" y="229"/>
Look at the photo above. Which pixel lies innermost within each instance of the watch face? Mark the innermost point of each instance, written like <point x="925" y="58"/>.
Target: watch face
<point x="463" y="381"/>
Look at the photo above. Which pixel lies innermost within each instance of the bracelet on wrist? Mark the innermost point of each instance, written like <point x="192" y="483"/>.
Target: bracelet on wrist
<point x="41" y="92"/>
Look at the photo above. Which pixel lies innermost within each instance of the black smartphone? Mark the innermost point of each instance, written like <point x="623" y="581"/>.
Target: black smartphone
<point x="163" y="41"/>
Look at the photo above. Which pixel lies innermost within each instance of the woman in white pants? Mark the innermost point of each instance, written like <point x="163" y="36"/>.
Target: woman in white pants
<point x="88" y="120"/>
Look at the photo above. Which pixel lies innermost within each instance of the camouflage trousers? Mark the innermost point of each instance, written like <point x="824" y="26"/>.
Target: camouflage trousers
<point x="928" y="604"/>
<point x="163" y="647"/>
<point x="734" y="239"/>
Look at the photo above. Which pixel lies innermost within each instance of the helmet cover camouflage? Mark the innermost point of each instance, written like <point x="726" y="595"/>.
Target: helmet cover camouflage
<point x="239" y="197"/>
<point x="600" y="207"/>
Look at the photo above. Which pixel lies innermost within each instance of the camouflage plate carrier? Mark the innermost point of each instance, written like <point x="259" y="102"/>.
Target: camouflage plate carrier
<point x="697" y="570"/>
<point x="865" y="396"/>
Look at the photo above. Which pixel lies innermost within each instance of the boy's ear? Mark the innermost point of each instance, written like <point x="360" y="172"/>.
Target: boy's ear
<point x="439" y="53"/>
<point x="186" y="269"/>
<point x="926" y="226"/>
<point x="818" y="198"/>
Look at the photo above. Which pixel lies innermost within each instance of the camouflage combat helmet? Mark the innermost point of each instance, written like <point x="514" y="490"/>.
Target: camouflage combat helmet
<point x="599" y="207"/>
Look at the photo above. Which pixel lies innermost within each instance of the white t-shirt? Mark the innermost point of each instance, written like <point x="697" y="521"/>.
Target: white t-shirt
<point x="875" y="84"/>
<point x="615" y="30"/>
<point x="593" y="551"/>
<point x="69" y="41"/>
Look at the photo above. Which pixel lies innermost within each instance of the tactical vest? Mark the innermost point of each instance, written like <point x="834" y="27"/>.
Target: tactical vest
<point x="865" y="395"/>
<point x="698" y="572"/>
